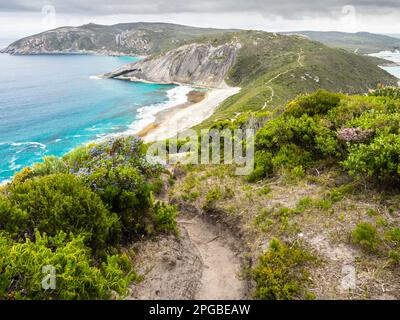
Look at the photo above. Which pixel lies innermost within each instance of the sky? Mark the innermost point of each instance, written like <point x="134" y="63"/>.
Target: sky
<point x="21" y="17"/>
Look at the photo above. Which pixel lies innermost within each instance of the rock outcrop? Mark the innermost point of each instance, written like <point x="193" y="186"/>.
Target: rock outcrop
<point x="201" y="65"/>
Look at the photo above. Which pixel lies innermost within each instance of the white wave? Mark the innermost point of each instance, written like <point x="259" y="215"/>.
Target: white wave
<point x="92" y="129"/>
<point x="33" y="144"/>
<point x="13" y="166"/>
<point x="146" y="115"/>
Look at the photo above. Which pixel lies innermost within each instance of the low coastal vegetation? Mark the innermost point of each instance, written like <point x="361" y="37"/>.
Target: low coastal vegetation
<point x="326" y="182"/>
<point x="76" y="214"/>
<point x="323" y="197"/>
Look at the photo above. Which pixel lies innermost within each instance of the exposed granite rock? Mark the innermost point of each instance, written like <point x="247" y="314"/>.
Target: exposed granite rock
<point x="195" y="64"/>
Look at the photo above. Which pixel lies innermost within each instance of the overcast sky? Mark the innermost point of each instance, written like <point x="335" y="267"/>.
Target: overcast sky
<point x="24" y="17"/>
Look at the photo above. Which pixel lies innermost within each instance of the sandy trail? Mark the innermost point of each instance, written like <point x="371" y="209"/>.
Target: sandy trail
<point x="221" y="267"/>
<point x="197" y="265"/>
<point x="301" y="64"/>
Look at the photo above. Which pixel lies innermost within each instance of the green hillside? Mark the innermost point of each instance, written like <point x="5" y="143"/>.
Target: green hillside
<point x="361" y="42"/>
<point x="273" y="69"/>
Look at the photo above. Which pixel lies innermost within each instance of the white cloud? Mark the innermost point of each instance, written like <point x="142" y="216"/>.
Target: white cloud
<point x="258" y="15"/>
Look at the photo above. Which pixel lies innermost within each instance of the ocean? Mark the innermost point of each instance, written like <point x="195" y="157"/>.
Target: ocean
<point x="391" y="56"/>
<point x="49" y="105"/>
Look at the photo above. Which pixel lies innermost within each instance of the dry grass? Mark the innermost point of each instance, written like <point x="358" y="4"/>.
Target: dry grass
<point x="320" y="210"/>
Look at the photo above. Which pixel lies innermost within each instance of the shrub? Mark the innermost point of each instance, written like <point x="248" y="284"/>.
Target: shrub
<point x="50" y="165"/>
<point x="212" y="197"/>
<point x="380" y="159"/>
<point x="292" y="142"/>
<point x="282" y="272"/>
<point x="291" y="156"/>
<point x="263" y="166"/>
<point x="392" y="237"/>
<point x="77" y="277"/>
<point x="117" y="171"/>
<point x="392" y="92"/>
<point x="366" y="235"/>
<point x="318" y="103"/>
<point x="165" y="217"/>
<point x="57" y="203"/>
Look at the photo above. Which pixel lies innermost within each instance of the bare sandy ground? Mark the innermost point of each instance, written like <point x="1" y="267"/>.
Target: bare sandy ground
<point x="177" y="119"/>
<point x="197" y="265"/>
<point x="221" y="266"/>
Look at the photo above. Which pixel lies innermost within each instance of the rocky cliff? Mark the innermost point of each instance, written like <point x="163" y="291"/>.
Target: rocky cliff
<point x="202" y="65"/>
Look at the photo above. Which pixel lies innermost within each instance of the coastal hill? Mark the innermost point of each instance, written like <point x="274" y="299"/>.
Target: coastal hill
<point x="125" y="38"/>
<point x="360" y="42"/>
<point x="270" y="68"/>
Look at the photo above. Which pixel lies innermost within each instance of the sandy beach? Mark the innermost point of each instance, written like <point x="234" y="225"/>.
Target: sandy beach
<point x="200" y="106"/>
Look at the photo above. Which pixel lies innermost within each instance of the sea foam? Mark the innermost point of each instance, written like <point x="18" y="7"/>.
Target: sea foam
<point x="146" y="115"/>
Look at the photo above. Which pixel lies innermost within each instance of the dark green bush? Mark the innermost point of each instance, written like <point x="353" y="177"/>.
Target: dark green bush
<point x="57" y="203"/>
<point x="323" y="127"/>
<point x="103" y="194"/>
<point x="118" y="172"/>
<point x="318" y="103"/>
<point x="77" y="277"/>
<point x="366" y="235"/>
<point x="380" y="158"/>
<point x="263" y="165"/>
<point x="165" y="217"/>
<point x="282" y="272"/>
<point x="292" y="142"/>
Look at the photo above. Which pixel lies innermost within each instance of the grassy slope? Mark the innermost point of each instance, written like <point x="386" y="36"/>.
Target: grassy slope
<point x="318" y="208"/>
<point x="273" y="69"/>
<point x="257" y="213"/>
<point x="363" y="42"/>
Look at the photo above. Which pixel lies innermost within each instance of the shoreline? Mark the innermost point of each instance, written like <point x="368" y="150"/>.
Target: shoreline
<point x="168" y="122"/>
<point x="200" y="106"/>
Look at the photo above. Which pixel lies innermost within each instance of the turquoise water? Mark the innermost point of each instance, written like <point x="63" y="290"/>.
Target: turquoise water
<point x="51" y="104"/>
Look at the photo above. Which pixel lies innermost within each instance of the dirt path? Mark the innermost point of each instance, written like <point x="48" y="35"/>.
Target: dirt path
<point x="221" y="267"/>
<point x="197" y="265"/>
<point x="299" y="58"/>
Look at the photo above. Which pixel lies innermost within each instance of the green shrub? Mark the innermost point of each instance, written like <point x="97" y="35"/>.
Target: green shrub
<point x="380" y="159"/>
<point x="282" y="272"/>
<point x="291" y="156"/>
<point x="77" y="277"/>
<point x="50" y="165"/>
<point x="392" y="238"/>
<point x="78" y="157"/>
<point x="366" y="235"/>
<point x="165" y="217"/>
<point x="318" y="103"/>
<point x="118" y="172"/>
<point x="291" y="142"/>
<point x="57" y="203"/>
<point x="212" y="197"/>
<point x="263" y="166"/>
<point x="391" y="92"/>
